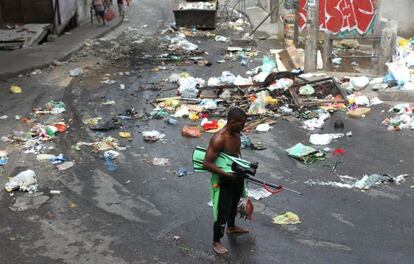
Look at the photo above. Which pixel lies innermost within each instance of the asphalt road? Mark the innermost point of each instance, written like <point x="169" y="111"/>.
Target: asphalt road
<point x="143" y="213"/>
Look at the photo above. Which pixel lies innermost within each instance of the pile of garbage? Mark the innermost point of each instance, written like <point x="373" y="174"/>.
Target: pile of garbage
<point x="32" y="141"/>
<point x="403" y="119"/>
<point x="400" y="70"/>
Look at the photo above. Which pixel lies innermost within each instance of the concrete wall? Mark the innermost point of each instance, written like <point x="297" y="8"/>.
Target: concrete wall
<point x="265" y="4"/>
<point x="401" y="11"/>
<point x="84" y="16"/>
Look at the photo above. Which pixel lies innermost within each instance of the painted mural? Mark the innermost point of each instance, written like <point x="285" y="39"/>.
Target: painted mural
<point x="338" y="16"/>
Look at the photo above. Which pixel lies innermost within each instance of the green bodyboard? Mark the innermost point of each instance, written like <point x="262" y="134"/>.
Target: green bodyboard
<point x="223" y="161"/>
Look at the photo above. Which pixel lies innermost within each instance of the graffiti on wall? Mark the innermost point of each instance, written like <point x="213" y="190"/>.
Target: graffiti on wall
<point x="342" y="15"/>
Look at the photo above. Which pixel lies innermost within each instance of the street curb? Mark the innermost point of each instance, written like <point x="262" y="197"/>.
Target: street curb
<point x="65" y="55"/>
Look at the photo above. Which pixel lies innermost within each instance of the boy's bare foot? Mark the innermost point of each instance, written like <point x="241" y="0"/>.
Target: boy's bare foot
<point x="236" y="230"/>
<point x="219" y="248"/>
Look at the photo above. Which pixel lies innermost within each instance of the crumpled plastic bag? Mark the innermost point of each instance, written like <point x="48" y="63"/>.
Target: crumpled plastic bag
<point x="182" y="43"/>
<point x="306" y="90"/>
<point x="243" y="81"/>
<point x="287" y="218"/>
<point x="268" y="64"/>
<point x="152" y="135"/>
<point x="359" y="82"/>
<point x="209" y="104"/>
<point x="260" y="77"/>
<point x="25" y="181"/>
<point x="259" y="105"/>
<point x="189" y="86"/>
<point x="213" y="81"/>
<point x="15" y="89"/>
<point x="283" y="83"/>
<point x="227" y="77"/>
<point x="399" y="71"/>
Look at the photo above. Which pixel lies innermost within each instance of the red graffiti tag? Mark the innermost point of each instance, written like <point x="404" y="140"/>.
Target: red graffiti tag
<point x="341" y="15"/>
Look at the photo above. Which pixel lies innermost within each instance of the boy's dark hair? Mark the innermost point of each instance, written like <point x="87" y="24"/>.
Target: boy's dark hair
<point x="236" y="114"/>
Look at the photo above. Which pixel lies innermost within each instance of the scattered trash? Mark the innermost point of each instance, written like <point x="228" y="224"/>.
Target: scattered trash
<point x="109" y="156"/>
<point x="209" y="124"/>
<point x="359" y="83"/>
<point x="152" y="135"/>
<point x="338" y="152"/>
<point x="359" y="112"/>
<point x="305" y="154"/>
<point x="376" y="101"/>
<point x="316" y="122"/>
<point x="171" y="121"/>
<point x="109" y="102"/>
<point x="221" y="38"/>
<point x="75" y="72"/>
<point x="365" y="183"/>
<point x="403" y="120"/>
<point x="25" y="181"/>
<point x="161" y="161"/>
<point x="306" y="90"/>
<point x="183" y="171"/>
<point x="57" y="159"/>
<point x="15" y="89"/>
<point x="258" y="194"/>
<point x="268" y="65"/>
<point x="287" y="218"/>
<point x="337" y="61"/>
<point x="65" y="165"/>
<point x="4" y="159"/>
<point x="191" y="131"/>
<point x="124" y="134"/>
<point x="324" y="139"/>
<point x="263" y="128"/>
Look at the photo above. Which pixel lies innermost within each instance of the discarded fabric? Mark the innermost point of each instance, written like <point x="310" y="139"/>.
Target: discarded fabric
<point x="305" y="154"/>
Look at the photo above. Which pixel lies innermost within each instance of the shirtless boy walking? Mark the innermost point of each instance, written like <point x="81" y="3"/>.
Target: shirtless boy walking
<point x="227" y="186"/>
